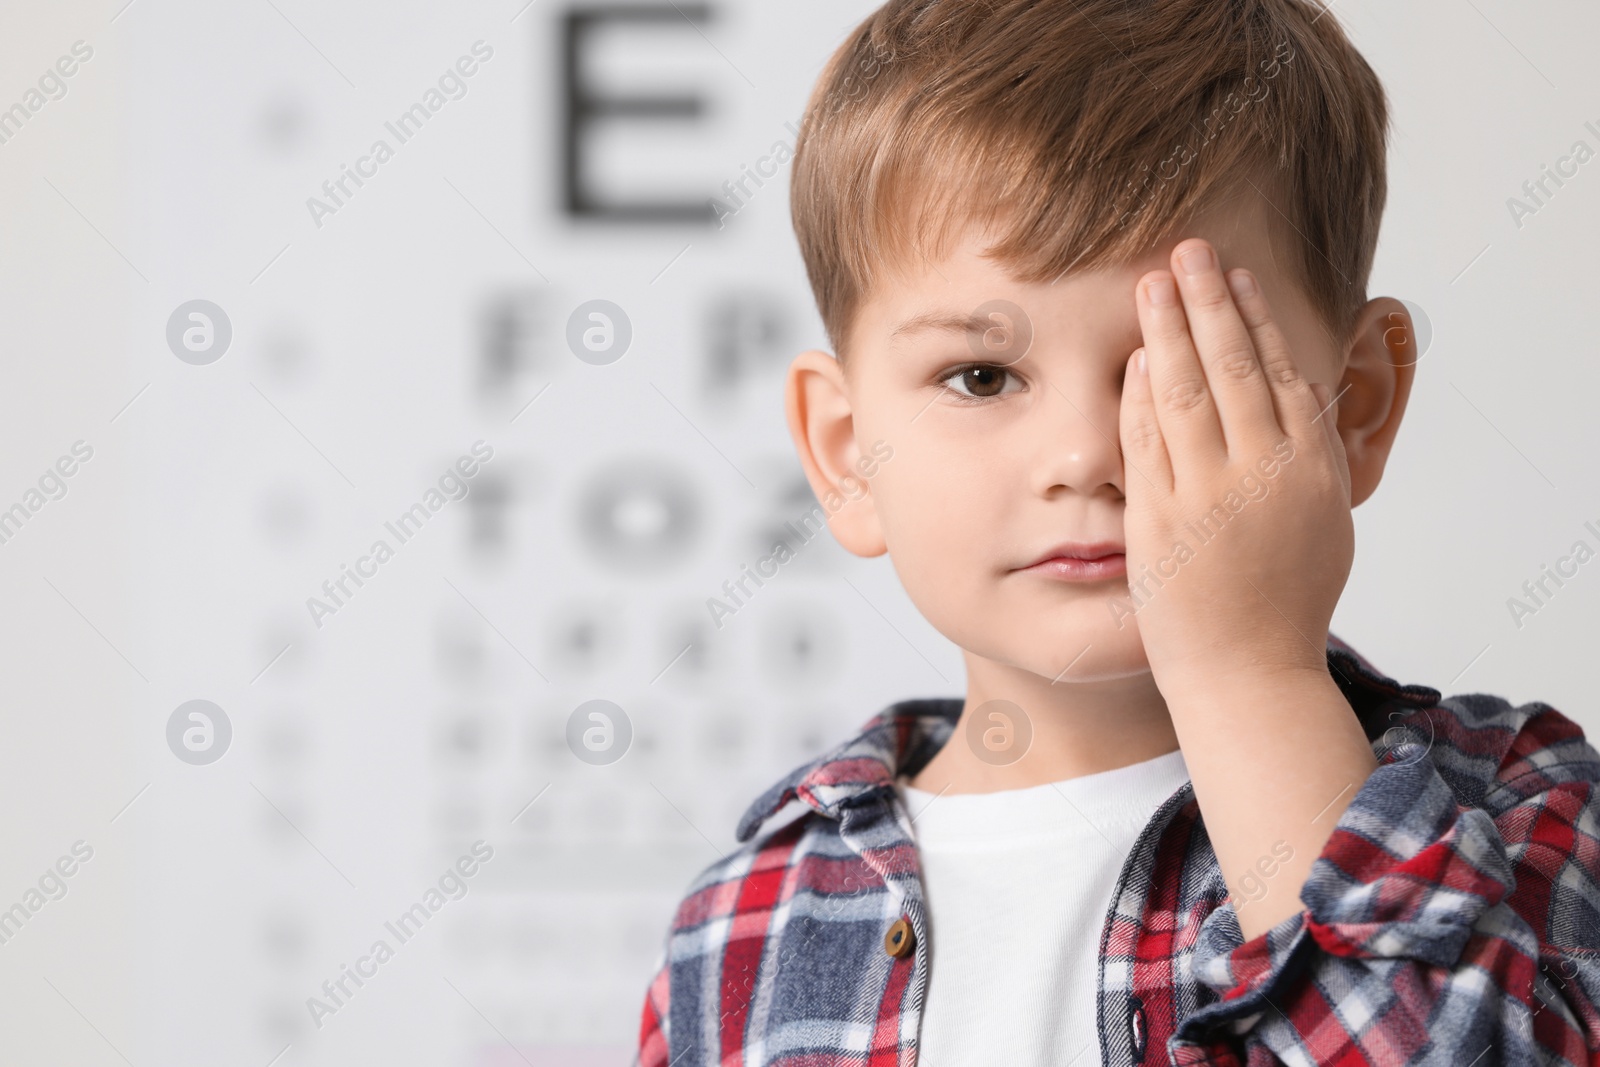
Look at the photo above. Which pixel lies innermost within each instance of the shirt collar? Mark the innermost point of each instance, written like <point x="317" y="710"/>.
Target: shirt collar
<point x="906" y="734"/>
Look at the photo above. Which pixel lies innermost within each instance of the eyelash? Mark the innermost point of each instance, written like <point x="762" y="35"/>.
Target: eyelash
<point x="962" y="398"/>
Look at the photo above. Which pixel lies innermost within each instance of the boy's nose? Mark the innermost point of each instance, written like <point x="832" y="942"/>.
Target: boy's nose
<point x="1078" y="446"/>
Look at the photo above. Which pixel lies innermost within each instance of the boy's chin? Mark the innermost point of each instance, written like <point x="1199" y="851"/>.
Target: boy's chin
<point x="1084" y="641"/>
<point x="1084" y="653"/>
<point x="1102" y="662"/>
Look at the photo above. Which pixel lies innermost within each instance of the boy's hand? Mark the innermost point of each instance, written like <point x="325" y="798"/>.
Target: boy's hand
<point x="1238" y="529"/>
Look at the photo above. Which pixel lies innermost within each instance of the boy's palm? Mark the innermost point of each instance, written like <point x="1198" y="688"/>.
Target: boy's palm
<point x="1238" y="528"/>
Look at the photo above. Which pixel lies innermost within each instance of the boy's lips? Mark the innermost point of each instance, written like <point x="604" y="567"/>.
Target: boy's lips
<point x="1080" y="561"/>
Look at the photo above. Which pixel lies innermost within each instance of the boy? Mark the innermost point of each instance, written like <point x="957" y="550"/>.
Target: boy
<point x="1094" y="271"/>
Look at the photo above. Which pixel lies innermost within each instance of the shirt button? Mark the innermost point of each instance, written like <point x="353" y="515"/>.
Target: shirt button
<point x="899" y="941"/>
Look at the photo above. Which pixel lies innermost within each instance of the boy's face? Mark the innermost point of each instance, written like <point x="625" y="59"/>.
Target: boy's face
<point x="978" y="489"/>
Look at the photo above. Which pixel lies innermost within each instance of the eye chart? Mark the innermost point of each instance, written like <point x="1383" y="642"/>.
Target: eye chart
<point x="421" y="385"/>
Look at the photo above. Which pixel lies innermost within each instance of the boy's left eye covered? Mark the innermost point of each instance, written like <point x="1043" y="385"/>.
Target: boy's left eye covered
<point x="984" y="380"/>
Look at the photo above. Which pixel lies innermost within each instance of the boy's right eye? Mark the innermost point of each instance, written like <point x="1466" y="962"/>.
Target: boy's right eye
<point x="975" y="383"/>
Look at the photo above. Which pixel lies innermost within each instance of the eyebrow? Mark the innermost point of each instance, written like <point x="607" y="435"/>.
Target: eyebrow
<point x="943" y="322"/>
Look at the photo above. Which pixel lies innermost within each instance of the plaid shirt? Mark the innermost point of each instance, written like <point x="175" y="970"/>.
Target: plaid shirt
<point x="1452" y="919"/>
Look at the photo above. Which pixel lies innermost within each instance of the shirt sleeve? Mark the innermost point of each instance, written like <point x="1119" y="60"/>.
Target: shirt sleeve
<point x="654" y="1023"/>
<point x="1433" y="931"/>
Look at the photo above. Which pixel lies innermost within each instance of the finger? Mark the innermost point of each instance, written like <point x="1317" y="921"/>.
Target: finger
<point x="1144" y="452"/>
<point x="1183" y="405"/>
<point x="1227" y="352"/>
<point x="1292" y="399"/>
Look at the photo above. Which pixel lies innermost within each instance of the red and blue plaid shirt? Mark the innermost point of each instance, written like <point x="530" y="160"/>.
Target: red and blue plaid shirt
<point x="1452" y="919"/>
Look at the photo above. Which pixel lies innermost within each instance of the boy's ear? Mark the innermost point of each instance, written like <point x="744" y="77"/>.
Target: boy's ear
<point x="1379" y="368"/>
<point x="817" y="404"/>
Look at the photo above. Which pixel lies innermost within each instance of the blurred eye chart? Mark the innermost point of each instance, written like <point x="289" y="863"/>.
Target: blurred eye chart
<point x="394" y="456"/>
<point x="390" y="390"/>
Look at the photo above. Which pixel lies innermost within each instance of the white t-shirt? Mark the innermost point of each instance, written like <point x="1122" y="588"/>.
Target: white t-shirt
<point x="1016" y="885"/>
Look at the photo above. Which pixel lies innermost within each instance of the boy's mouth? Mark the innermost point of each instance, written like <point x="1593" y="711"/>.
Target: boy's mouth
<point x="1080" y="562"/>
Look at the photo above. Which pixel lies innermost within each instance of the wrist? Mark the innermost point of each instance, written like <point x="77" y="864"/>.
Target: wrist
<point x="1227" y="683"/>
